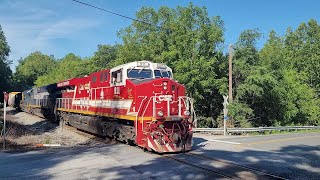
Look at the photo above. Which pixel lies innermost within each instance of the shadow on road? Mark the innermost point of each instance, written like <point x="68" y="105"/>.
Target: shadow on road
<point x="126" y="162"/>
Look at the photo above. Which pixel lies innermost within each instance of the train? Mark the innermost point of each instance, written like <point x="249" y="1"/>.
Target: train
<point x="12" y="99"/>
<point x="138" y="103"/>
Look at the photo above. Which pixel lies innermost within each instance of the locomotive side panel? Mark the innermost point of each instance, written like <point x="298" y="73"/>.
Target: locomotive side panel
<point x="40" y="101"/>
<point x="149" y="110"/>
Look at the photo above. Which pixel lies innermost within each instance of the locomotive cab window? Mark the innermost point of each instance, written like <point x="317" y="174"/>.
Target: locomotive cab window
<point x="94" y="79"/>
<point x="102" y="76"/>
<point x="116" y="76"/>
<point x="162" y="74"/>
<point x="139" y="73"/>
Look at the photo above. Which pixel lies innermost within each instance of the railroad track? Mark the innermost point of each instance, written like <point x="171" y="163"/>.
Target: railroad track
<point x="220" y="168"/>
<point x="212" y="173"/>
<point x="92" y="137"/>
<point x="215" y="168"/>
<point x="261" y="172"/>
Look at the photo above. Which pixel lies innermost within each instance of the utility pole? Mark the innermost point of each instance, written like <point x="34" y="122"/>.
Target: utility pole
<point x="230" y="79"/>
<point x="230" y="73"/>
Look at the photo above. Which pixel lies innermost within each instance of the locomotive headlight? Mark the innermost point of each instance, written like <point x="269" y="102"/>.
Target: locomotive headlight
<point x="160" y="113"/>
<point x="165" y="83"/>
<point x="187" y="113"/>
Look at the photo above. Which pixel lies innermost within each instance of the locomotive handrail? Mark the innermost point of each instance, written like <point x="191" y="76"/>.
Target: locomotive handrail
<point x="97" y="88"/>
<point x="66" y="101"/>
<point x="184" y="98"/>
<point x="40" y="102"/>
<point x="144" y="98"/>
<point x="169" y="100"/>
<point x="145" y="109"/>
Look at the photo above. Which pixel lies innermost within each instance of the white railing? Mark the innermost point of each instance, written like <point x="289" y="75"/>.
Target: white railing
<point x="257" y="129"/>
<point x="39" y="102"/>
<point x="73" y="103"/>
<point x="182" y="100"/>
<point x="102" y="89"/>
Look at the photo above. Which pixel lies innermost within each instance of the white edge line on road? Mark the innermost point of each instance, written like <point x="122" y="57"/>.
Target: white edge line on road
<point x="227" y="142"/>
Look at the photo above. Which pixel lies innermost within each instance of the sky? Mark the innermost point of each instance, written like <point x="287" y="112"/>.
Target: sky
<point x="59" y="27"/>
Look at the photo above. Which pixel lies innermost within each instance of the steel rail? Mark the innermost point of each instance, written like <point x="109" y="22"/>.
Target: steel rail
<point x="261" y="172"/>
<point x="197" y="166"/>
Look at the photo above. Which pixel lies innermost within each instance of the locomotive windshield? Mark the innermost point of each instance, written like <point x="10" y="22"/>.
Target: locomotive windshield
<point x="162" y="74"/>
<point x="139" y="73"/>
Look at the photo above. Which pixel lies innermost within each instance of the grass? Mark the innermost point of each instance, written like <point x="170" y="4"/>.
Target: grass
<point x="47" y="140"/>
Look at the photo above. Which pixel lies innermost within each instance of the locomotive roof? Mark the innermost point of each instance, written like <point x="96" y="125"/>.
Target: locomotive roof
<point x="130" y="64"/>
<point x="136" y="64"/>
<point x="46" y="88"/>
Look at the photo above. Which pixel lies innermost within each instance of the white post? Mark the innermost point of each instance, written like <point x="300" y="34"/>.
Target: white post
<point x="225" y="114"/>
<point x="4" y="123"/>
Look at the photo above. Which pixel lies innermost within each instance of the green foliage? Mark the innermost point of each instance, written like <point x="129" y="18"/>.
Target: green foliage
<point x="298" y="99"/>
<point x="241" y="113"/>
<point x="206" y="122"/>
<point x="5" y="72"/>
<point x="186" y="39"/>
<point x="303" y="51"/>
<point x="68" y="67"/>
<point x="103" y="57"/>
<point x="275" y="82"/>
<point x="276" y="85"/>
<point x="32" y="67"/>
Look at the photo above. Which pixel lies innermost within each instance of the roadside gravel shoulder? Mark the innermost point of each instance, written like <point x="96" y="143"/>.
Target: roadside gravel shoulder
<point x="25" y="131"/>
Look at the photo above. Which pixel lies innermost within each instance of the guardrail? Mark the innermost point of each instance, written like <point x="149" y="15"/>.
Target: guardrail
<point x="258" y="129"/>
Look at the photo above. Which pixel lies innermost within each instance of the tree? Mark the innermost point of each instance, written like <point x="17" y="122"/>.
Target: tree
<point x="186" y="39"/>
<point x="68" y="67"/>
<point x="270" y="89"/>
<point x="31" y="67"/>
<point x="5" y="71"/>
<point x="247" y="88"/>
<point x="103" y="57"/>
<point x="303" y="51"/>
<point x="296" y="102"/>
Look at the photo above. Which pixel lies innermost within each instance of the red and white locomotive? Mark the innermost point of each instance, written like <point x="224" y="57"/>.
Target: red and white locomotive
<point x="137" y="103"/>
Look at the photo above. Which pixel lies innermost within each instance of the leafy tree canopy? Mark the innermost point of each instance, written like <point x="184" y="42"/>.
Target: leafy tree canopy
<point x="68" y="67"/>
<point x="278" y="84"/>
<point x="5" y="71"/>
<point x="33" y="66"/>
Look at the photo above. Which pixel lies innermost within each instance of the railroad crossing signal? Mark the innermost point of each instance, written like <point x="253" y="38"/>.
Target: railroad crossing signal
<point x="225" y="107"/>
<point x="225" y="101"/>
<point x="225" y="114"/>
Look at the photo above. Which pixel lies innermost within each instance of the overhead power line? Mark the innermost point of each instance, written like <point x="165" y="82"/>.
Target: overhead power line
<point x="114" y="13"/>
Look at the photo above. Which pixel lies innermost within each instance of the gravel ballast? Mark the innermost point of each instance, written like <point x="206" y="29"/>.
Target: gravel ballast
<point x="26" y="131"/>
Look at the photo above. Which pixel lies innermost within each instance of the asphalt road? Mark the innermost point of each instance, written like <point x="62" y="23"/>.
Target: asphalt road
<point x="277" y="142"/>
<point x="292" y="156"/>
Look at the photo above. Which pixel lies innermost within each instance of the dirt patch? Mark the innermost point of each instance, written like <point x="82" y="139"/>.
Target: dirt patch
<point x="25" y="131"/>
